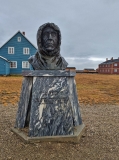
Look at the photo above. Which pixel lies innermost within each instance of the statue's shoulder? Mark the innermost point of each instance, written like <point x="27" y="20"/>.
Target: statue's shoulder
<point x="64" y="61"/>
<point x="35" y="61"/>
<point x="61" y="63"/>
<point x="31" y="58"/>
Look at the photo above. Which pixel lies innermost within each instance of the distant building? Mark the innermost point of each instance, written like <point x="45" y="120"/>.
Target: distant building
<point x="14" y="54"/>
<point x="109" y="66"/>
<point x="71" y="68"/>
<point x="79" y="71"/>
<point x="97" y="70"/>
<point x="89" y="70"/>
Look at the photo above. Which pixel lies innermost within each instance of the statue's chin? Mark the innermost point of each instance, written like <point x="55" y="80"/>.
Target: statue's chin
<point x="50" y="53"/>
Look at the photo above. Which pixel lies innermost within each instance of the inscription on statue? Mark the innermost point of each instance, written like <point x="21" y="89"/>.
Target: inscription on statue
<point x="52" y="100"/>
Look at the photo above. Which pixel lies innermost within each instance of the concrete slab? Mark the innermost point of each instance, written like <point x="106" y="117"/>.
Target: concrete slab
<point x="78" y="131"/>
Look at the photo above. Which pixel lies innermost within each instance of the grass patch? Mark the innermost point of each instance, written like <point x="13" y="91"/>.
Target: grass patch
<point x="97" y="88"/>
<point x="91" y="89"/>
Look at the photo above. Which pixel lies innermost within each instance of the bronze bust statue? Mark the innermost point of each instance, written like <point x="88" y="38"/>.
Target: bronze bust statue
<point x="48" y="54"/>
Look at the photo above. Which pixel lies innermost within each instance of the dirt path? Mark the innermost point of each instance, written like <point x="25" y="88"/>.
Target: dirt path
<point x="99" y="142"/>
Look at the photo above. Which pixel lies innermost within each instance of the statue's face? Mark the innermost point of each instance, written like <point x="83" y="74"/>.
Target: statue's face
<point x="49" y="39"/>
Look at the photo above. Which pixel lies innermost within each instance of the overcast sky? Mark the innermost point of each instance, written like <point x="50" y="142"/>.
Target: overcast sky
<point x="89" y="28"/>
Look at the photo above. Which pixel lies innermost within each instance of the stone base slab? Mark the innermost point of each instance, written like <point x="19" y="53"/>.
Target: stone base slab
<point x="78" y="131"/>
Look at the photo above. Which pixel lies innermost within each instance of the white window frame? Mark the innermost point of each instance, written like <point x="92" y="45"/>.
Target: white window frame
<point x="115" y="64"/>
<point x="26" y="63"/>
<point x="26" y="51"/>
<point x="19" y="39"/>
<point x="10" y="50"/>
<point x="115" y="70"/>
<point x="13" y="66"/>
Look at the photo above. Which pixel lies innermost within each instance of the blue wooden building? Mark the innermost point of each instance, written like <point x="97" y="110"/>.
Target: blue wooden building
<point x="15" y="53"/>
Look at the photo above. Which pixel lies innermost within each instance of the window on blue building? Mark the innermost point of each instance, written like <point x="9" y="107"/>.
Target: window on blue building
<point x="13" y="64"/>
<point x="10" y="50"/>
<point x="25" y="50"/>
<point x="19" y="39"/>
<point x="25" y="64"/>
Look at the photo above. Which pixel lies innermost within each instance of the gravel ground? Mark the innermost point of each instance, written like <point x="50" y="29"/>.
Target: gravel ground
<point x="100" y="140"/>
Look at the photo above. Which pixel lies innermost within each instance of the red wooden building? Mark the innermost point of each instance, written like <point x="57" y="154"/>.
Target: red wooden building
<point x="109" y="66"/>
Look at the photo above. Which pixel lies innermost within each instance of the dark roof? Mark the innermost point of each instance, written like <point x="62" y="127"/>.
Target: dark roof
<point x="4" y="59"/>
<point x="71" y="68"/>
<point x="90" y="69"/>
<point x="110" y="61"/>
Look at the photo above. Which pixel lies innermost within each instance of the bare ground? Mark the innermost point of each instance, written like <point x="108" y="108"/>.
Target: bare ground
<point x="100" y="140"/>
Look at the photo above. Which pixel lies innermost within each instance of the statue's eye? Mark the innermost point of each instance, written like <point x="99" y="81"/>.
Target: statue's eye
<point x="53" y="34"/>
<point x="46" y="33"/>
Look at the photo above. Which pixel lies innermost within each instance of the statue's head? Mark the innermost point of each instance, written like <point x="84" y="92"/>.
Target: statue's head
<point x="49" y="39"/>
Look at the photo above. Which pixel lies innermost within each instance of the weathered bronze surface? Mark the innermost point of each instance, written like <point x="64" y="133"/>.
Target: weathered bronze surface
<point x="48" y="54"/>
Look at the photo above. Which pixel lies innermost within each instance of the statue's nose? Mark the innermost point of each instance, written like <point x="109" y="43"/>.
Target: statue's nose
<point x="50" y="36"/>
